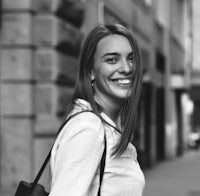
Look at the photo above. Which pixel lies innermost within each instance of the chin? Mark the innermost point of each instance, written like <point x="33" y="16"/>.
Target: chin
<point x="122" y="94"/>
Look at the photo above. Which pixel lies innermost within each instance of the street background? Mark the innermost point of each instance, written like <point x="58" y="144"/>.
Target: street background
<point x="177" y="177"/>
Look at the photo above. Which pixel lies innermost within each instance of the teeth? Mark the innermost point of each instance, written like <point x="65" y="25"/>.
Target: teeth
<point x="124" y="81"/>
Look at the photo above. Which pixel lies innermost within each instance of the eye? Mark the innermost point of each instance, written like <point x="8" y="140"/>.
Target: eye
<point x="130" y="60"/>
<point x="112" y="60"/>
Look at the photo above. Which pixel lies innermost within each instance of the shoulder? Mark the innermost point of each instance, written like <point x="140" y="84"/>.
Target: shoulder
<point x="82" y="123"/>
<point x="85" y="118"/>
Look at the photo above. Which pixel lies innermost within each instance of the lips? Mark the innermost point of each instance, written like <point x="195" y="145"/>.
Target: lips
<point x="122" y="81"/>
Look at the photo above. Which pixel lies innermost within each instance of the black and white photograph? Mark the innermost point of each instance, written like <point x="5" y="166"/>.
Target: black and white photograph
<point x="99" y="97"/>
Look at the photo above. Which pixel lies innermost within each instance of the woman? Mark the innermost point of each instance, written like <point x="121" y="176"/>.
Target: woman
<point x="109" y="85"/>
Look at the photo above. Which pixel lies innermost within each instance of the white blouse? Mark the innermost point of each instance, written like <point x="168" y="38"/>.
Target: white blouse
<point x="76" y="157"/>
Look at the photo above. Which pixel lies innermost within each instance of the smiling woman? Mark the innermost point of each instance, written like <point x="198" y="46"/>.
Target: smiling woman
<point x="112" y="71"/>
<point x="108" y="84"/>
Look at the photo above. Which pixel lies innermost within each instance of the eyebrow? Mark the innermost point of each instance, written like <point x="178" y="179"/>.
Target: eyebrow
<point x="115" y="54"/>
<point x="130" y="54"/>
<point x="111" y="54"/>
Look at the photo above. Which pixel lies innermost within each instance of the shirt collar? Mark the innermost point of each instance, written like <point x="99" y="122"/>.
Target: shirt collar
<point x="82" y="104"/>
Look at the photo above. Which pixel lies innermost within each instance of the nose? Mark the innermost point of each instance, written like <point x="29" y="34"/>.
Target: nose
<point x="125" y="67"/>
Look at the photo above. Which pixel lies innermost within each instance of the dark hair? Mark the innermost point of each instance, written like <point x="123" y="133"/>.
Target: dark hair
<point x="84" y="88"/>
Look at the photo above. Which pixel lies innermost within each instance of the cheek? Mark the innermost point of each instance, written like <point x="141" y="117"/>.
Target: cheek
<point x="99" y="70"/>
<point x="102" y="69"/>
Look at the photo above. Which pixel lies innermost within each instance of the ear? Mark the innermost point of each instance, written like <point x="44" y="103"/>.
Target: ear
<point x="92" y="76"/>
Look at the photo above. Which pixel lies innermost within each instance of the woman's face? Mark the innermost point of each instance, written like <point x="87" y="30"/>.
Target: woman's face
<point x="112" y="71"/>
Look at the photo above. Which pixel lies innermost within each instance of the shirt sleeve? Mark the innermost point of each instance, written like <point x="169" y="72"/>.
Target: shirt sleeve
<point x="78" y="156"/>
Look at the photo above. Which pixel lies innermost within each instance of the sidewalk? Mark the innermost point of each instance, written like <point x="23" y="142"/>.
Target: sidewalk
<point x="176" y="177"/>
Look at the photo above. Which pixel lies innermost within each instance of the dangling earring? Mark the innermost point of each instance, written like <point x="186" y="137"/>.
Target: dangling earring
<point x="92" y="83"/>
<point x="92" y="78"/>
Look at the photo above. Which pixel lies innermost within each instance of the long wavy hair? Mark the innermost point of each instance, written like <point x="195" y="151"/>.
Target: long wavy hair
<point x="84" y="89"/>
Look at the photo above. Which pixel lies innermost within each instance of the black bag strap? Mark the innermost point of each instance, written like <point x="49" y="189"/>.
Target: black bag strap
<point x="102" y="164"/>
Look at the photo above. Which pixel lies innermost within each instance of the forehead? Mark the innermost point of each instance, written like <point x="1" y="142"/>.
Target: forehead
<point x="114" y="43"/>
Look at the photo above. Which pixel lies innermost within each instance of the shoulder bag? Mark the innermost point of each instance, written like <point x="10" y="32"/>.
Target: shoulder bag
<point x="34" y="189"/>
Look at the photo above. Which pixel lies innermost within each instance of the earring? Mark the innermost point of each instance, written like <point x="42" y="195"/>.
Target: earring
<point x="92" y="83"/>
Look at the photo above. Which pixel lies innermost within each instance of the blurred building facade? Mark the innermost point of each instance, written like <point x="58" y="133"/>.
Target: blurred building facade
<point x="40" y="43"/>
<point x="195" y="71"/>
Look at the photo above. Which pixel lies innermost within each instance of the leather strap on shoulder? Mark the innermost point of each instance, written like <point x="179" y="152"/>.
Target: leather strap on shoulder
<point x="103" y="159"/>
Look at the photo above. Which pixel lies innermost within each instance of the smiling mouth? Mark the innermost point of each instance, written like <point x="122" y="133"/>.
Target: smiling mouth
<point x="122" y="82"/>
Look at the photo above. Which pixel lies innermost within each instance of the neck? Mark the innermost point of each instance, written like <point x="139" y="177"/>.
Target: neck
<point x="110" y="108"/>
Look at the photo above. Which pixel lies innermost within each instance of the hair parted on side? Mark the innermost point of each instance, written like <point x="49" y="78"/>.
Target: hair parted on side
<point x="84" y="90"/>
